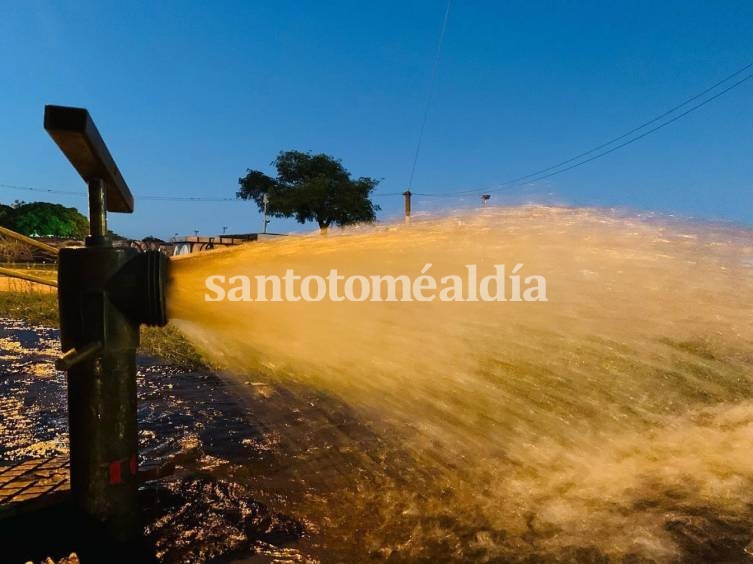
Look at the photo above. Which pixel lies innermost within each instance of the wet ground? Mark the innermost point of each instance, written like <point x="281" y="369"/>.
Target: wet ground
<point x="248" y="455"/>
<point x="266" y="473"/>
<point x="199" y="514"/>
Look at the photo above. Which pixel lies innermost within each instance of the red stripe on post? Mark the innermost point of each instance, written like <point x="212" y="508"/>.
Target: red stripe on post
<point x="115" y="475"/>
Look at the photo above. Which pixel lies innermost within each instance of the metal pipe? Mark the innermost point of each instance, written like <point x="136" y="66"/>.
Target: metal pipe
<point x="75" y="356"/>
<point x="28" y="277"/>
<point x="29" y="241"/>
<point x="97" y="212"/>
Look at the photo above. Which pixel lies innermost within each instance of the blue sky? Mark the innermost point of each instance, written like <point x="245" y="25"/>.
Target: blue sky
<point x="189" y="95"/>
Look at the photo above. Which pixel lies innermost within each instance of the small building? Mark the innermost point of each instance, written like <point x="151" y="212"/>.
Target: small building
<point x="198" y="243"/>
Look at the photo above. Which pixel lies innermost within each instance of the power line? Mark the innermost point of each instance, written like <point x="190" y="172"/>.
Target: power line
<point x="154" y="197"/>
<point x="638" y="128"/>
<point x="82" y="194"/>
<point x="186" y="199"/>
<point x="642" y="135"/>
<point x="430" y="96"/>
<point x="37" y="189"/>
<point x="508" y="184"/>
<point x="514" y="182"/>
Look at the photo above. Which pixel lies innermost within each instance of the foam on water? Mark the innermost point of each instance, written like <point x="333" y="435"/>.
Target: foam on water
<point x="601" y="420"/>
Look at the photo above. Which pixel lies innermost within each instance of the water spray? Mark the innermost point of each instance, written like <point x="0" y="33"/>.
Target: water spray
<point x="105" y="293"/>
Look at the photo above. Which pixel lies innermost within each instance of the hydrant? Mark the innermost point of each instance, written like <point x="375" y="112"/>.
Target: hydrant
<point x="105" y="293"/>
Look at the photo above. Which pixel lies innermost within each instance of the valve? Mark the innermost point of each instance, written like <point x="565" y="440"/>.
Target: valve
<point x="104" y="293"/>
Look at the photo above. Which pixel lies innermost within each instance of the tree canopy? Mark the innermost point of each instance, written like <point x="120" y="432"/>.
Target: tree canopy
<point x="44" y="219"/>
<point x="311" y="188"/>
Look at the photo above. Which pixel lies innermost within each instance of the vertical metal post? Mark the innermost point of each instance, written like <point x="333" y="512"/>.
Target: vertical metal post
<point x="407" y="195"/>
<point x="97" y="212"/>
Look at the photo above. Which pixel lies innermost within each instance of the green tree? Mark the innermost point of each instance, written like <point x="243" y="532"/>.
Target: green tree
<point x="311" y="188"/>
<point x="6" y="215"/>
<point x="45" y="219"/>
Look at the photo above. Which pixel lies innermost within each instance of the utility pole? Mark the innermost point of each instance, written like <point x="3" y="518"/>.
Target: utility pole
<point x="407" y="195"/>
<point x="224" y="229"/>
<point x="265" y="221"/>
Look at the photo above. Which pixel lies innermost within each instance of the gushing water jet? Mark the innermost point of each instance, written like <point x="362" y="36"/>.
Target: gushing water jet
<point x="591" y="419"/>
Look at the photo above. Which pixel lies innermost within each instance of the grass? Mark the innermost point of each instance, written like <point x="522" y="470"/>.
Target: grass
<point x="164" y="343"/>
<point x="169" y="345"/>
<point x="35" y="308"/>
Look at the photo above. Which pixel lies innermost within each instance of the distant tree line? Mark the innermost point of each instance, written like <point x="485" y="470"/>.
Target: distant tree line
<point x="42" y="219"/>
